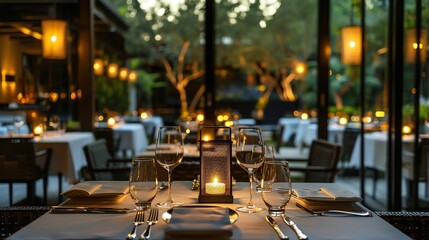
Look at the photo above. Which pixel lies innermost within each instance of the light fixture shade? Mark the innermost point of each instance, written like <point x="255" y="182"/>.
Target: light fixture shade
<point x="54" y="39"/>
<point x="132" y="77"/>
<point x="98" y="66"/>
<point x="123" y="73"/>
<point x="412" y="45"/>
<point x="112" y="70"/>
<point x="351" y="45"/>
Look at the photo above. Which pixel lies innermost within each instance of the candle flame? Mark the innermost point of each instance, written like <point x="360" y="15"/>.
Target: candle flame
<point x="215" y="180"/>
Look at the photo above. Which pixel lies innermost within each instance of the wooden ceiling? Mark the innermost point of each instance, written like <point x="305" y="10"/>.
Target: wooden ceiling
<point x="16" y="15"/>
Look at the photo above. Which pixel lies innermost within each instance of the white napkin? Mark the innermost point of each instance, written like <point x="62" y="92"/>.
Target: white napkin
<point x="198" y="222"/>
<point x="327" y="195"/>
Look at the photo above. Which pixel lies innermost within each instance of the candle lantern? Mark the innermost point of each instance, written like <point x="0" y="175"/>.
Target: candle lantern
<point x="215" y="157"/>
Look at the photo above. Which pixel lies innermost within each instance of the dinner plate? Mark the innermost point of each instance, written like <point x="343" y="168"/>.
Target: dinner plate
<point x="233" y="215"/>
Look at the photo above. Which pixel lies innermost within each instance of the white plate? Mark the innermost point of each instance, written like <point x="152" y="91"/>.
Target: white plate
<point x="233" y="215"/>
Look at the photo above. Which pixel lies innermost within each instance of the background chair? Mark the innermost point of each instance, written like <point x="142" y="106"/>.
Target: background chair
<point x="14" y="218"/>
<point x="18" y="165"/>
<point x="349" y="139"/>
<point x="322" y="162"/>
<point x="408" y="165"/>
<point x="414" y="224"/>
<point x="101" y="165"/>
<point x="113" y="140"/>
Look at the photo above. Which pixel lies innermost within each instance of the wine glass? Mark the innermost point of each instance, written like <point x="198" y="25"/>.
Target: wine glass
<point x="257" y="175"/>
<point x="143" y="182"/>
<point x="18" y="122"/>
<point x="250" y="156"/>
<point x="276" y="178"/>
<point x="169" y="153"/>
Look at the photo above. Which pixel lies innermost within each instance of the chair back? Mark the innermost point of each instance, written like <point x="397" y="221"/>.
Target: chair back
<point x="18" y="160"/>
<point x="349" y="138"/>
<point x="323" y="154"/>
<point x="113" y="140"/>
<point x="97" y="156"/>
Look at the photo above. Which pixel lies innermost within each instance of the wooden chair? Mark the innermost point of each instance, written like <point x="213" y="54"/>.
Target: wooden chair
<point x="18" y="165"/>
<point x="101" y="165"/>
<point x="113" y="140"/>
<point x="414" y="224"/>
<point x="322" y="162"/>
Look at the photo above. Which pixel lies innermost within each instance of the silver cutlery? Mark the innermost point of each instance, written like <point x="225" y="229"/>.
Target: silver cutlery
<point x="153" y="219"/>
<point x="138" y="220"/>
<point x="344" y="213"/>
<point x="61" y="209"/>
<point x="294" y="227"/>
<point x="275" y="226"/>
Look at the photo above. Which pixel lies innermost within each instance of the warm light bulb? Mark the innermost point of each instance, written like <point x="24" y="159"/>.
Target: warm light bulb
<point x="53" y="38"/>
<point x="352" y="44"/>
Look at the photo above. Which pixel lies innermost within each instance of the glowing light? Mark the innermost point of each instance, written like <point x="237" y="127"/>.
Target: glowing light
<point x="380" y="114"/>
<point x="200" y="117"/>
<point x="144" y="115"/>
<point x="406" y="129"/>
<point x="304" y="116"/>
<point x="343" y="121"/>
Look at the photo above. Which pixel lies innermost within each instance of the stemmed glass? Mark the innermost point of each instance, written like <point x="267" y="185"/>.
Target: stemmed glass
<point x="169" y="153"/>
<point x="276" y="179"/>
<point x="143" y="182"/>
<point x="18" y="122"/>
<point x="257" y="175"/>
<point x="250" y="156"/>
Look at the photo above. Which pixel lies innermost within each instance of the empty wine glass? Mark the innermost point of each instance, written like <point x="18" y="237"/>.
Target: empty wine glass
<point x="143" y="182"/>
<point x="18" y="122"/>
<point x="169" y="153"/>
<point x="276" y="179"/>
<point x="257" y="175"/>
<point x="250" y="156"/>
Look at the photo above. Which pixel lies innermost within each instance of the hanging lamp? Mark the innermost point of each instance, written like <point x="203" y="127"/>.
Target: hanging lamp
<point x="351" y="45"/>
<point x="54" y="35"/>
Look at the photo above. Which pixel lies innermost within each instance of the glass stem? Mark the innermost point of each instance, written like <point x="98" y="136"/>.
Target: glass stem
<point x="250" y="204"/>
<point x="169" y="186"/>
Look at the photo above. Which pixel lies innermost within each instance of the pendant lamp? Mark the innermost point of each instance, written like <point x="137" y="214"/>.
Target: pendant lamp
<point x="351" y="45"/>
<point x="54" y="35"/>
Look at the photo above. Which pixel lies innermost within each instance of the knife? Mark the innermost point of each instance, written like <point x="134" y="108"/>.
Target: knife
<point x="295" y="228"/>
<point x="273" y="224"/>
<point x="89" y="210"/>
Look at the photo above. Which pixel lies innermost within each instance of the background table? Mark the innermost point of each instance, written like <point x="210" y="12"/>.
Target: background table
<point x="249" y="226"/>
<point x="375" y="150"/>
<point x="68" y="156"/>
<point x="133" y="137"/>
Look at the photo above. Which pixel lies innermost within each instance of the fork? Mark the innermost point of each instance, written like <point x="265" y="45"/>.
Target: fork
<point x="138" y="220"/>
<point x="153" y="219"/>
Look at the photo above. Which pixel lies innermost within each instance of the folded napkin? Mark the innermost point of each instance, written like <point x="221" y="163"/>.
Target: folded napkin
<point x="317" y="207"/>
<point x="199" y="222"/>
<point x="98" y="189"/>
<point x="330" y="194"/>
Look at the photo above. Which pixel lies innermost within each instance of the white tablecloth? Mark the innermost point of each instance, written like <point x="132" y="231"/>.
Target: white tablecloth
<point x="68" y="156"/>
<point x="307" y="132"/>
<point x="133" y="136"/>
<point x="249" y="226"/>
<point x="375" y="150"/>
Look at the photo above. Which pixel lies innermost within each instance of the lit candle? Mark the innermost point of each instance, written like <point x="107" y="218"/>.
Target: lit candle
<point x="38" y="130"/>
<point x="215" y="187"/>
<point x="111" y="122"/>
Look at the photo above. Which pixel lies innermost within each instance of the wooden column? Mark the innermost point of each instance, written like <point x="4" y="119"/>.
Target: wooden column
<point x="85" y="75"/>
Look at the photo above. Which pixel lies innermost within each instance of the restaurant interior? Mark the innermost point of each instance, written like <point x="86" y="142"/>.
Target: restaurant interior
<point x="338" y="88"/>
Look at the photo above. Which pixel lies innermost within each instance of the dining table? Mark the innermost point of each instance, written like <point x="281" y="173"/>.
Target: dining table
<point x="248" y="225"/>
<point x="133" y="137"/>
<point x="68" y="156"/>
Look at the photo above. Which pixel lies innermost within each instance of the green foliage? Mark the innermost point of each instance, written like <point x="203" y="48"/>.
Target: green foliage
<point x="111" y="94"/>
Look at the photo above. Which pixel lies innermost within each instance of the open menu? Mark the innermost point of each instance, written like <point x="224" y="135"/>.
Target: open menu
<point x="97" y="189"/>
<point x="326" y="195"/>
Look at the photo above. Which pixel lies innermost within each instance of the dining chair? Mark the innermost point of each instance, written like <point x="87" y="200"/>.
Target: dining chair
<point x="408" y="165"/>
<point x="322" y="162"/>
<point x="14" y="218"/>
<point x="101" y="165"/>
<point x="19" y="164"/>
<point x="113" y="140"/>
<point x="350" y="135"/>
<point x="414" y="224"/>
